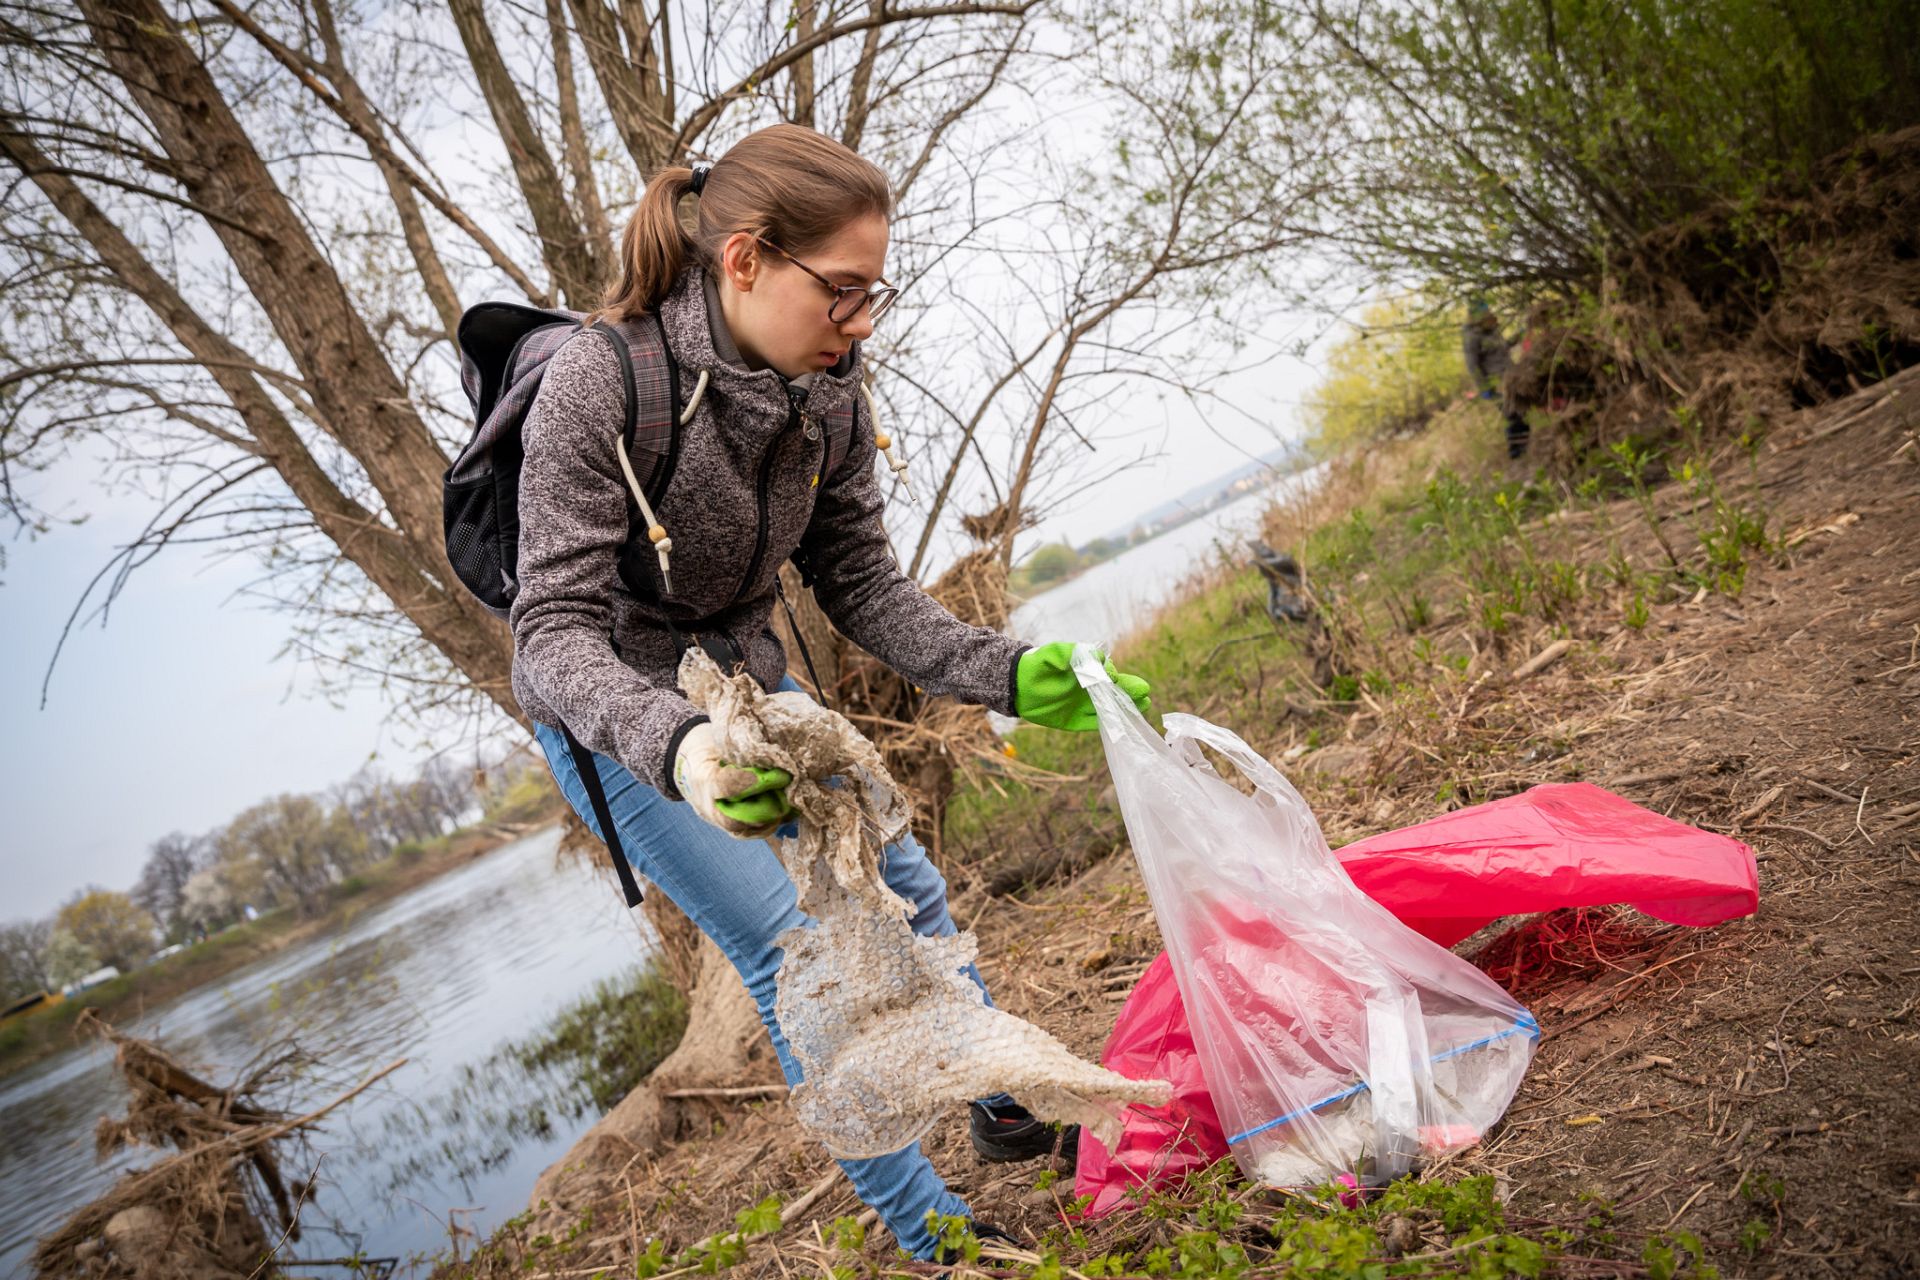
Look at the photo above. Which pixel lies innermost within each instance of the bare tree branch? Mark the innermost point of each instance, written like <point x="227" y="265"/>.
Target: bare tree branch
<point x="384" y="154"/>
<point x="413" y="227"/>
<point x="573" y="267"/>
<point x="704" y="116"/>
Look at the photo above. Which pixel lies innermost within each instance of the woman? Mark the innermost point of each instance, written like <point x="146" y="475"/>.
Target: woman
<point x="770" y="299"/>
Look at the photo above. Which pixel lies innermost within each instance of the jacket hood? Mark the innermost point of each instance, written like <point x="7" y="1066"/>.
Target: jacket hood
<point x="754" y="395"/>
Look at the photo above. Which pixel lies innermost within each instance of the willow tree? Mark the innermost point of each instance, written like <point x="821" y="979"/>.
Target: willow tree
<point x="255" y="233"/>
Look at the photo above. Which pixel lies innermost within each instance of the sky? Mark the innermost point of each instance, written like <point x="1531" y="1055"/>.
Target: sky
<point x="175" y="716"/>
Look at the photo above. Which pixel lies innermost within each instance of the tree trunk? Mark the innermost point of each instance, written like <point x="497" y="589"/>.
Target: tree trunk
<point x="355" y="394"/>
<point x="562" y="247"/>
<point x="574" y="146"/>
<point x="647" y="134"/>
<point x="802" y="71"/>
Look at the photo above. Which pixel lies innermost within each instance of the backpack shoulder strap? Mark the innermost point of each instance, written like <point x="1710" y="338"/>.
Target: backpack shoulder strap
<point x="840" y="425"/>
<point x="652" y="378"/>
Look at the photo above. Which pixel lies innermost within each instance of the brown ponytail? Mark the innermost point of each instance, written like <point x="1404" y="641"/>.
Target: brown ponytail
<point x="654" y="248"/>
<point x="788" y="183"/>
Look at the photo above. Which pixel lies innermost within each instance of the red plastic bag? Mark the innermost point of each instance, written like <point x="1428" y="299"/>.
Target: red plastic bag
<point x="1553" y="846"/>
<point x="1158" y="1145"/>
<point x="1559" y="845"/>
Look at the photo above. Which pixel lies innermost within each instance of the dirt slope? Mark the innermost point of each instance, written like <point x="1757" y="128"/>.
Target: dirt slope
<point x="1763" y="1071"/>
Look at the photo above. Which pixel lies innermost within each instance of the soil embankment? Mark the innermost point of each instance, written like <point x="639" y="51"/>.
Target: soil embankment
<point x="1751" y="1084"/>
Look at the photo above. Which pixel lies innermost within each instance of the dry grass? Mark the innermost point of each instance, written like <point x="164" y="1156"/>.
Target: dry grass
<point x="219" y="1206"/>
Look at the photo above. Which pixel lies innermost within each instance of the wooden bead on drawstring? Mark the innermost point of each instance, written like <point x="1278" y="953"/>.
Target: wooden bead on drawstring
<point x="656" y="533"/>
<point x="881" y="440"/>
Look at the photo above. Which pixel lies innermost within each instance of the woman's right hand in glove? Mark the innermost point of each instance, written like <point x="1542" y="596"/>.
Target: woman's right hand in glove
<point x="743" y="800"/>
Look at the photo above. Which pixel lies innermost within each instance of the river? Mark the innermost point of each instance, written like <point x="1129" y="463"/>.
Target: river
<point x="1112" y="598"/>
<point x="442" y="976"/>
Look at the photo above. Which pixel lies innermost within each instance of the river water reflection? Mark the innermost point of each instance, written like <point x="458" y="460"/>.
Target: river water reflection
<point x="443" y="977"/>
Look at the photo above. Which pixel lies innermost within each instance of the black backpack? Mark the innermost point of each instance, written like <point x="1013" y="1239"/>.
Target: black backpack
<point x="504" y="351"/>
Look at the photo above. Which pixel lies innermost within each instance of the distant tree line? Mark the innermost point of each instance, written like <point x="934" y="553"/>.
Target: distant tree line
<point x="1055" y="562"/>
<point x="288" y="851"/>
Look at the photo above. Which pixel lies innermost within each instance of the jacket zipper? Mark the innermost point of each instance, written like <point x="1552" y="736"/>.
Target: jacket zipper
<point x="794" y="419"/>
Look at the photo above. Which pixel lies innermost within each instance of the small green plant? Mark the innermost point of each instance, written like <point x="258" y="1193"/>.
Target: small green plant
<point x="1729" y="533"/>
<point x="847" y="1233"/>
<point x="651" y="1262"/>
<point x="1678" y="1256"/>
<point x="955" y="1234"/>
<point x="1631" y="460"/>
<point x="1638" y="612"/>
<point x="760" y="1219"/>
<point x="1486" y="536"/>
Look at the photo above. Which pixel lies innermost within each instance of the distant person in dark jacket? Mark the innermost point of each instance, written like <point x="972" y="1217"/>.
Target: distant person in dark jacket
<point x="1488" y="361"/>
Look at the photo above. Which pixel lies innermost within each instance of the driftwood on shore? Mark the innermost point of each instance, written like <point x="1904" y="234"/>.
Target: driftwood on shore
<point x="224" y="1202"/>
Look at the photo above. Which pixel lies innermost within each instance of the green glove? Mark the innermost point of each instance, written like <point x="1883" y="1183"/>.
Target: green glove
<point x="1046" y="692"/>
<point x="763" y="803"/>
<point x="744" y="800"/>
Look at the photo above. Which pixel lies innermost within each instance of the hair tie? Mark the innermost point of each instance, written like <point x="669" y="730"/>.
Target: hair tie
<point x="700" y="172"/>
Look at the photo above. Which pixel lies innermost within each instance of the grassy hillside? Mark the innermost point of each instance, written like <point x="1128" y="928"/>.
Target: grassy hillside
<point x="1702" y="1100"/>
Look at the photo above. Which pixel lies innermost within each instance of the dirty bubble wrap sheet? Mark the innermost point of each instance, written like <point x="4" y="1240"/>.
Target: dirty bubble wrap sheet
<point x="888" y="1028"/>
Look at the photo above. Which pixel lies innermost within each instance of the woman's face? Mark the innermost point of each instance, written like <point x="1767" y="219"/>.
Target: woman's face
<point x="777" y="313"/>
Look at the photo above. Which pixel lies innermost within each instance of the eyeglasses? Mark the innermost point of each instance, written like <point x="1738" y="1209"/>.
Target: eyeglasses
<point x="847" y="299"/>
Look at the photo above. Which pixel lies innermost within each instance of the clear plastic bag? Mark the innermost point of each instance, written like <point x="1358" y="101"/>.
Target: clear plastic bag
<point x="1335" y="1040"/>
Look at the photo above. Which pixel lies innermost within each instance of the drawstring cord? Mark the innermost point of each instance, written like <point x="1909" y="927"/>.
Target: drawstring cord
<point x="657" y="532"/>
<point x="896" y="456"/>
<point x="693" y="402"/>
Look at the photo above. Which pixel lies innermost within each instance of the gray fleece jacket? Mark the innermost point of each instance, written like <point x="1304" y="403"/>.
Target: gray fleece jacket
<point x="601" y="659"/>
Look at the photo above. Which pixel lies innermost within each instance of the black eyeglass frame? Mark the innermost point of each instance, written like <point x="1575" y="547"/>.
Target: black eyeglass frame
<point x="877" y="301"/>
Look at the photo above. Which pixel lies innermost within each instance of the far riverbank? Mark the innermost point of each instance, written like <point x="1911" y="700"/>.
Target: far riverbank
<point x="33" y="1037"/>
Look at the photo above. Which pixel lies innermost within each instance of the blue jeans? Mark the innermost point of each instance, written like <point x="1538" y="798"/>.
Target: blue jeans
<point x="739" y="895"/>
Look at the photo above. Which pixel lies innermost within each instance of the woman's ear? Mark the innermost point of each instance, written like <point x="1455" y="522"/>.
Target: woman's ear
<point x="740" y="260"/>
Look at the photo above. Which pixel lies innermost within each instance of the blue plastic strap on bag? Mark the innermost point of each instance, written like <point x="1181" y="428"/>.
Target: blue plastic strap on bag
<point x="1524" y="1023"/>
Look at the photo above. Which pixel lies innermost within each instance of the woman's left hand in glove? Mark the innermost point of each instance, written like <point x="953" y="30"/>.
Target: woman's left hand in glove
<point x="1047" y="692"/>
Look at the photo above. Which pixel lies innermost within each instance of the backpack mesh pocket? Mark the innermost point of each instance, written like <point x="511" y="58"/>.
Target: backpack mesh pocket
<point x="474" y="530"/>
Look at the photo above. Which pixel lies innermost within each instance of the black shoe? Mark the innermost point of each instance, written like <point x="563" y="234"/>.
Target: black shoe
<point x="983" y="1232"/>
<point x="1006" y="1132"/>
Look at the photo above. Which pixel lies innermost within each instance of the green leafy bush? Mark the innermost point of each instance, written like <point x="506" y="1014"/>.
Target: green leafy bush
<point x="1390" y="372"/>
<point x="1511" y="140"/>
